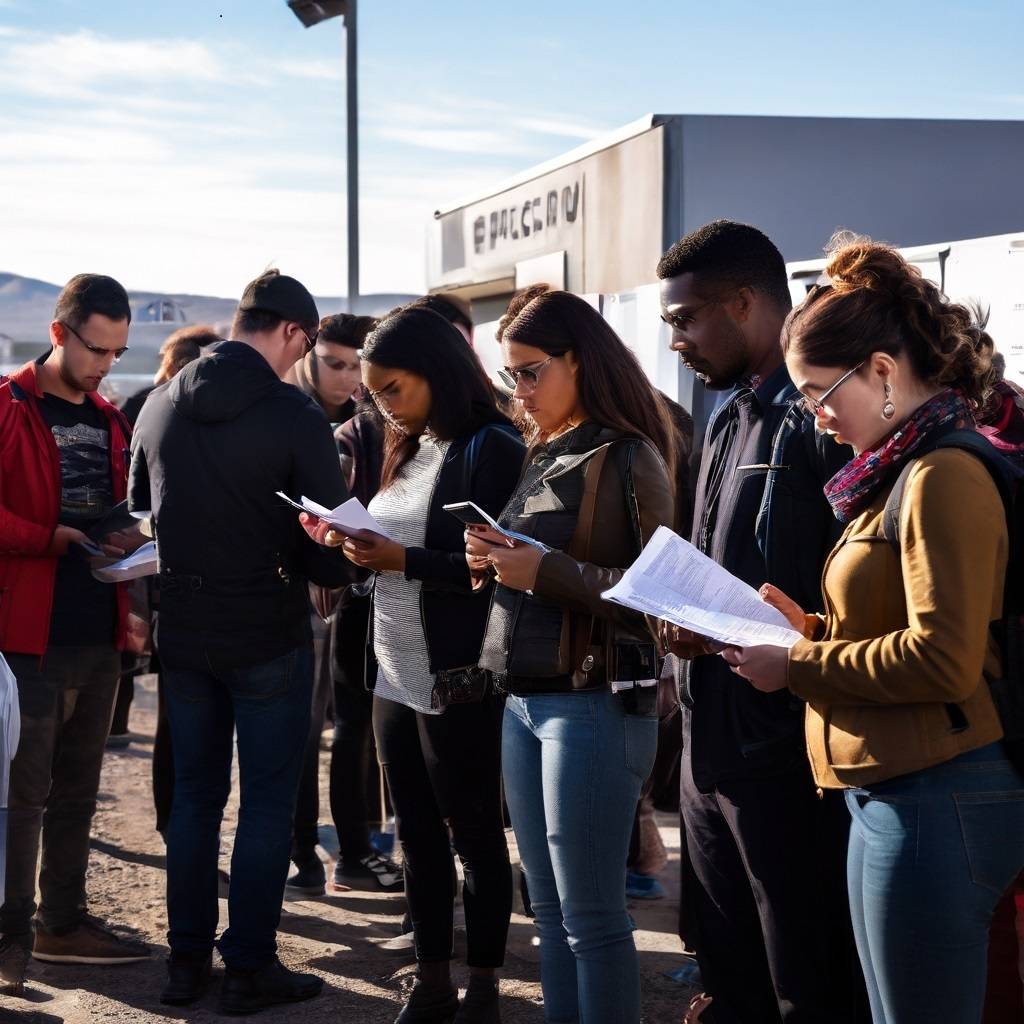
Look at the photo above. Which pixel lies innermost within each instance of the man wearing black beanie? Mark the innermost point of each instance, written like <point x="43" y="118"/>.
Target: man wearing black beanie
<point x="210" y="450"/>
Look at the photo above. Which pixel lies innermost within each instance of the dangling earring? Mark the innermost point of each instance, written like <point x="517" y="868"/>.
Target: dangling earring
<point x="888" y="409"/>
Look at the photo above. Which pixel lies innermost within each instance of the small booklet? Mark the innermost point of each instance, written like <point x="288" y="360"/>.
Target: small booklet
<point x="672" y="580"/>
<point x="348" y="518"/>
<point x="141" y="562"/>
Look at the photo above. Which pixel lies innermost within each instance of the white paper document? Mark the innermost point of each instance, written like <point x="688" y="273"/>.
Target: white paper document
<point x="141" y="562"/>
<point x="349" y="517"/>
<point x="674" y="581"/>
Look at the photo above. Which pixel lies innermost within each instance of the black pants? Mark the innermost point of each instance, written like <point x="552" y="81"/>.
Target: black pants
<point x="163" y="755"/>
<point x="307" y="804"/>
<point x="444" y="772"/>
<point x="765" y="884"/>
<point x="67" y="699"/>
<point x="354" y="787"/>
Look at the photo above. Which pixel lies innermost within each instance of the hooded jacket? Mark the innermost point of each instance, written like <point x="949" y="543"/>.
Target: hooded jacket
<point x="210" y="450"/>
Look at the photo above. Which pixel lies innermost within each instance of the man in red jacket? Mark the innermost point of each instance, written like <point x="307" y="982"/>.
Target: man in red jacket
<point x="63" y="466"/>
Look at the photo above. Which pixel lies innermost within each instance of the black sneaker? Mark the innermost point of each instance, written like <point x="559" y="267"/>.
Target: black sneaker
<point x="374" y="872"/>
<point x="187" y="978"/>
<point x="309" y="880"/>
<point x="273" y="985"/>
<point x="430" y="1004"/>
<point x="14" y="954"/>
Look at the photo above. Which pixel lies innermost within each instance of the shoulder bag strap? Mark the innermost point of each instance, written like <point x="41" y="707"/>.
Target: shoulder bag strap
<point x="578" y="630"/>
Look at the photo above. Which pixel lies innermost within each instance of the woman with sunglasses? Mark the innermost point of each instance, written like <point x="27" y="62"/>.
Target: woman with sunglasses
<point x="575" y="752"/>
<point x="436" y="725"/>
<point x="899" y="710"/>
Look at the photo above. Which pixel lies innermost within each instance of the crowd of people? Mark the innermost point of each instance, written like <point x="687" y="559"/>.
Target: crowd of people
<point x="851" y="808"/>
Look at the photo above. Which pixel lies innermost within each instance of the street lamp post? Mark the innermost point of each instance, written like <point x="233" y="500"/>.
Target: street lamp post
<point x="310" y="13"/>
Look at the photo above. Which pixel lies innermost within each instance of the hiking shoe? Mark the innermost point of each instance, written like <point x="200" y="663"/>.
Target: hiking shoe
<point x="187" y="978"/>
<point x="14" y="954"/>
<point x="374" y="872"/>
<point x="89" y="943"/>
<point x="273" y="985"/>
<point x="309" y="880"/>
<point x="430" y="1004"/>
<point x="480" y="1004"/>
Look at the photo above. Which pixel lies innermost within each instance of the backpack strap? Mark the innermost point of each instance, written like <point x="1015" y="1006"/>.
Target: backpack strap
<point x="968" y="441"/>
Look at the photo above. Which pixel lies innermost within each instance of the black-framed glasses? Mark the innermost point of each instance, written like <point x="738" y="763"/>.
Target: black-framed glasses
<point x="815" y="405"/>
<point x="528" y="376"/>
<point x="681" y="321"/>
<point x="96" y="350"/>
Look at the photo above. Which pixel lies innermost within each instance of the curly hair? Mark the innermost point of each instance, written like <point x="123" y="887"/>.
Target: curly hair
<point x="878" y="302"/>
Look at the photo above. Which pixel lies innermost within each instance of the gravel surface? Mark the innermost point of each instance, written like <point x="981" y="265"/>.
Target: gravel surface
<point x="336" y="936"/>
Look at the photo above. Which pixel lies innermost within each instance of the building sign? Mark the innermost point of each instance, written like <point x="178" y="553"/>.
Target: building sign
<point x="601" y="216"/>
<point x="512" y="224"/>
<point x="488" y="238"/>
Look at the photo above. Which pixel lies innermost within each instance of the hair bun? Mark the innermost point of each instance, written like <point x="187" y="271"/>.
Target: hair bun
<point x="855" y="262"/>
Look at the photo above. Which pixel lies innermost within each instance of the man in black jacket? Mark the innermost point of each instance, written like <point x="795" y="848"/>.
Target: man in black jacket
<point x="764" y="879"/>
<point x="210" y="450"/>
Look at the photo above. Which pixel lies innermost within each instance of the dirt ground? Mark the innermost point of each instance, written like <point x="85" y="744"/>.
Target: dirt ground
<point x="335" y="936"/>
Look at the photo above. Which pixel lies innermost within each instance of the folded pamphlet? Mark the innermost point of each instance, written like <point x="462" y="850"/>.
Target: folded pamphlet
<point x="141" y="562"/>
<point x="348" y="518"/>
<point x="672" y="580"/>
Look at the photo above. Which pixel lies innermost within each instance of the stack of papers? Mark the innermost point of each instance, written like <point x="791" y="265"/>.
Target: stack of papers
<point x="672" y="580"/>
<point x="348" y="518"/>
<point x="141" y="562"/>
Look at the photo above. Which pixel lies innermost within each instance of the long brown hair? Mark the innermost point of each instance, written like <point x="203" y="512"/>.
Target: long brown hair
<point x="613" y="388"/>
<point x="878" y="302"/>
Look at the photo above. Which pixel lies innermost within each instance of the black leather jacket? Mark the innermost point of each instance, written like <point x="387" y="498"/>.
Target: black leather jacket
<point x="530" y="642"/>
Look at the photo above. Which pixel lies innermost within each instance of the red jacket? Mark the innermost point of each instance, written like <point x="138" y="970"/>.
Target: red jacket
<point x="30" y="493"/>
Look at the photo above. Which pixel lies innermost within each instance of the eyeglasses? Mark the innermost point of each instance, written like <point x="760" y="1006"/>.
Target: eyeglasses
<point x="681" y="321"/>
<point x="96" y="350"/>
<point x="310" y="342"/>
<point x="528" y="376"/>
<point x="815" y="406"/>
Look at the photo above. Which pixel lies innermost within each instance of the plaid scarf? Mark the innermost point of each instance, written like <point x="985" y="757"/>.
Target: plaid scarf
<point x="852" y="489"/>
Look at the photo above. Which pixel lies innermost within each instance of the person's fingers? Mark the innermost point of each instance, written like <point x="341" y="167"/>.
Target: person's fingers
<point x="771" y="595"/>
<point x="732" y="656"/>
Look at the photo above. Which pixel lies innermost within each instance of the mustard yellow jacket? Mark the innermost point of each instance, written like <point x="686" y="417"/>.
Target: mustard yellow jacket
<point x="904" y="637"/>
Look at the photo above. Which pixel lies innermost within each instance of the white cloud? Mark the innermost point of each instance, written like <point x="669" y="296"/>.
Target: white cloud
<point x="179" y="168"/>
<point x="313" y="70"/>
<point x="554" y="126"/>
<point x="456" y="140"/>
<point x="72" y="65"/>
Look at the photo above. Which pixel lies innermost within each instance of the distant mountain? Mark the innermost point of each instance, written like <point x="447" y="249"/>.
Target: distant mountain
<point x="26" y="306"/>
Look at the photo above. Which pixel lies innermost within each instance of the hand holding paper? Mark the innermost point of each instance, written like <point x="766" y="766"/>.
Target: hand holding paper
<point x="349" y="518"/>
<point x="672" y="580"/>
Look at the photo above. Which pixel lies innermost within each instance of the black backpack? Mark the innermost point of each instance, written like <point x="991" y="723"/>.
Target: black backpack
<point x="1007" y="691"/>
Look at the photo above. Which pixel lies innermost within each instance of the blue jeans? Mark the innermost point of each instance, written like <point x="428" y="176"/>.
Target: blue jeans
<point x="930" y="854"/>
<point x="269" y="706"/>
<point x="573" y="766"/>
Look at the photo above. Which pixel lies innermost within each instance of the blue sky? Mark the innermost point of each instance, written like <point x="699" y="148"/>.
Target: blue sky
<point x="186" y="145"/>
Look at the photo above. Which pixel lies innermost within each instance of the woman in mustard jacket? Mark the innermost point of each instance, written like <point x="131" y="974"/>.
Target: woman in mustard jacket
<point x="894" y="674"/>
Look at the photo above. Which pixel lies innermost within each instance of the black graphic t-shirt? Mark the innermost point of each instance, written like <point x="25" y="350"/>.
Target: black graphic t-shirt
<point x="84" y="610"/>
